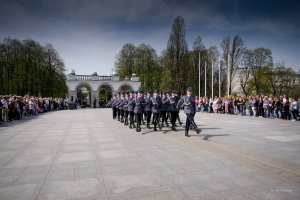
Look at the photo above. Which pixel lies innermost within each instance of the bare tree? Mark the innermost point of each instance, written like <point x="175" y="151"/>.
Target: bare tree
<point x="198" y="47"/>
<point x="234" y="49"/>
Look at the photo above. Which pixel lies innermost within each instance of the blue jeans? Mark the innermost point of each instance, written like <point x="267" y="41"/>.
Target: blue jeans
<point x="250" y="110"/>
<point x="243" y="109"/>
<point x="270" y="112"/>
<point x="235" y="110"/>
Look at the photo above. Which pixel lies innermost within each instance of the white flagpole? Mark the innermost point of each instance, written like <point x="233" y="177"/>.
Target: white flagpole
<point x="228" y="75"/>
<point x="205" y="79"/>
<point x="212" y="78"/>
<point x="219" y="77"/>
<point x="199" y="74"/>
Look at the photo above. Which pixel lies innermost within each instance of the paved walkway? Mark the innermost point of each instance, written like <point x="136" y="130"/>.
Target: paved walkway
<point x="84" y="154"/>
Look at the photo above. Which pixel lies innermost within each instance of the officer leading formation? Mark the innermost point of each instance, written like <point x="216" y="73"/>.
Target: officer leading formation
<point x="157" y="108"/>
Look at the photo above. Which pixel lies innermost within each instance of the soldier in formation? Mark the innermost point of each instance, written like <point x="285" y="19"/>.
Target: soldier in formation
<point x="163" y="107"/>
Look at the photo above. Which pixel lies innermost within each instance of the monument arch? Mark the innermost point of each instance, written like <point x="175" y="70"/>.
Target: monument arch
<point x="100" y="87"/>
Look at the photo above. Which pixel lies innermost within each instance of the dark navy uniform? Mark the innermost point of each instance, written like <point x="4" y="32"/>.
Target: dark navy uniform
<point x="148" y="104"/>
<point x="189" y="106"/>
<point x="125" y="108"/>
<point x="139" y="109"/>
<point x="118" y="102"/>
<point x="130" y="108"/>
<point x="164" y="109"/>
<point x="121" y="105"/>
<point x="173" y="101"/>
<point x="178" y="96"/>
<point x="113" y="106"/>
<point x="155" y="109"/>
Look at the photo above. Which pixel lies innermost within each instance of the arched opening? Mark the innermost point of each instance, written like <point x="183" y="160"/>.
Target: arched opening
<point x="125" y="88"/>
<point x="105" y="94"/>
<point x="83" y="92"/>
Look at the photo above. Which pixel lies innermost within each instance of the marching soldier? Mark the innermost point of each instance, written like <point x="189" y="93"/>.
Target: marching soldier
<point x="117" y="106"/>
<point x="111" y="103"/>
<point x="121" y="104"/>
<point x="164" y="109"/>
<point x="130" y="108"/>
<point x="139" y="109"/>
<point x="173" y="101"/>
<point x="148" y="108"/>
<point x="155" y="109"/>
<point x="125" y="108"/>
<point x="189" y="106"/>
<point x="177" y="96"/>
<point x="169" y="94"/>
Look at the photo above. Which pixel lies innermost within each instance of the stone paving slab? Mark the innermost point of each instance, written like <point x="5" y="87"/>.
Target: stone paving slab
<point x="84" y="154"/>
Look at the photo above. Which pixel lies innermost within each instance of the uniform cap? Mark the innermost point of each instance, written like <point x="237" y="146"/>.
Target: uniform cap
<point x="189" y="89"/>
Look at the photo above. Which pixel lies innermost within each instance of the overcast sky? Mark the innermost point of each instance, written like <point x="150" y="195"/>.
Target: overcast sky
<point x="88" y="34"/>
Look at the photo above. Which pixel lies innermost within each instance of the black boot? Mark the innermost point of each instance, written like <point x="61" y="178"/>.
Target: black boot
<point x="138" y="129"/>
<point x="130" y="126"/>
<point x="167" y="124"/>
<point x="148" y="126"/>
<point x="187" y="134"/>
<point x="160" y="126"/>
<point x="195" y="127"/>
<point x="134" y="125"/>
<point x="180" y="123"/>
<point x="155" y="127"/>
<point x="173" y="127"/>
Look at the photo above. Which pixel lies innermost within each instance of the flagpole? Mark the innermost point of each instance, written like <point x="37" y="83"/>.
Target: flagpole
<point x="205" y="79"/>
<point x="219" y="77"/>
<point x="199" y="75"/>
<point x="228" y="75"/>
<point x="212" y="78"/>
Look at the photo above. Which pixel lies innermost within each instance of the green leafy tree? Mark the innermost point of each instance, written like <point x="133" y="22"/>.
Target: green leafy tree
<point x="125" y="61"/>
<point x="259" y="60"/>
<point x="176" y="58"/>
<point x="145" y="63"/>
<point x="28" y="67"/>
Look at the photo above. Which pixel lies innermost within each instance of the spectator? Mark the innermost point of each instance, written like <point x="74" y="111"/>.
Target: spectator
<point x="295" y="109"/>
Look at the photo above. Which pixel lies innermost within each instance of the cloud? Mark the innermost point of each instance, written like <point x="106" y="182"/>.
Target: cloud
<point x="89" y="34"/>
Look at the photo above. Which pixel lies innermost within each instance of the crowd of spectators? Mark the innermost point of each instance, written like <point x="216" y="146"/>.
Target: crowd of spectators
<point x="271" y="107"/>
<point x="17" y="107"/>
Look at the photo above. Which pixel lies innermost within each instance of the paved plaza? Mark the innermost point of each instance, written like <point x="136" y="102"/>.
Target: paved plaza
<point x="84" y="154"/>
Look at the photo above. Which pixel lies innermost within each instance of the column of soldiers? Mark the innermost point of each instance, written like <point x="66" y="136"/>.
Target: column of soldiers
<point x="158" y="108"/>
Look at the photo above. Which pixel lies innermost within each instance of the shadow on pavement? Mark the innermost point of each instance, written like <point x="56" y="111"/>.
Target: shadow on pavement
<point x="207" y="136"/>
